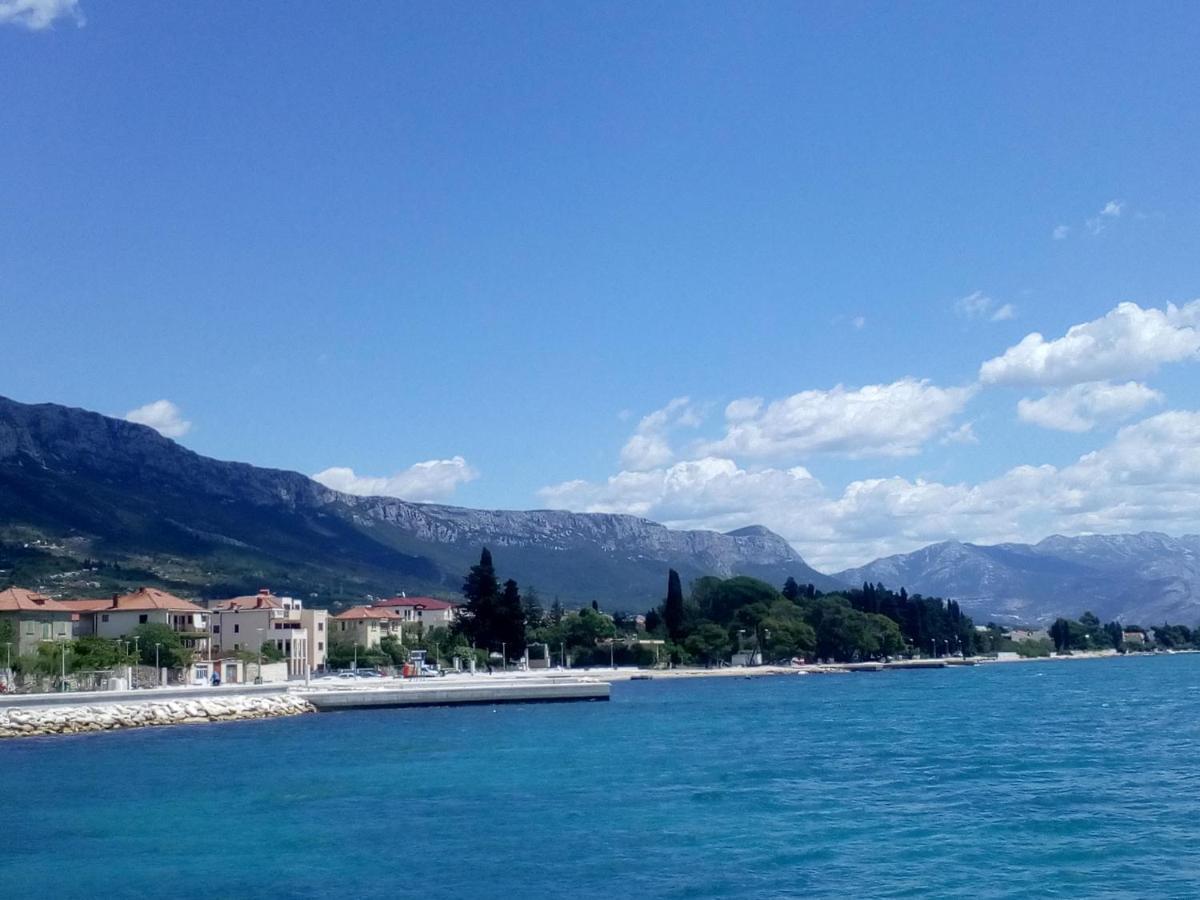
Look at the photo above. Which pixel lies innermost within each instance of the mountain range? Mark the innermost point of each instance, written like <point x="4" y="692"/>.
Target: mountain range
<point x="1144" y="578"/>
<point x="77" y="487"/>
<point x="90" y="503"/>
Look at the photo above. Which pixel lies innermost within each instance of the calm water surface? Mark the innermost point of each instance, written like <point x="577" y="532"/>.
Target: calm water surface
<point x="1064" y="779"/>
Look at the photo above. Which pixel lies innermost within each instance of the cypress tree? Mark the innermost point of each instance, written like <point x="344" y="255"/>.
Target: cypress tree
<point x="510" y="621"/>
<point x="673" y="608"/>
<point x="791" y="590"/>
<point x="481" y="590"/>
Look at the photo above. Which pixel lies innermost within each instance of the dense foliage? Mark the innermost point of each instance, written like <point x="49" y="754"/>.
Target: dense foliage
<point x="742" y="613"/>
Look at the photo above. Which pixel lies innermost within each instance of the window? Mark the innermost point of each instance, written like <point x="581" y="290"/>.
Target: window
<point x="62" y="628"/>
<point x="320" y="645"/>
<point x="143" y="619"/>
<point x="29" y="629"/>
<point x="216" y="629"/>
<point x="236" y="628"/>
<point x="320" y="626"/>
<point x="103" y="617"/>
<point x="46" y="629"/>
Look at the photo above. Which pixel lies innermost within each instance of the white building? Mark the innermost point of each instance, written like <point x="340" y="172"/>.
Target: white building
<point x="428" y="612"/>
<point x="246" y="624"/>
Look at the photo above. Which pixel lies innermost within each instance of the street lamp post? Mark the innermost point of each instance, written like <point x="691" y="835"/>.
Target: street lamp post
<point x="63" y="685"/>
<point x="355" y="669"/>
<point x="762" y="658"/>
<point x="562" y="652"/>
<point x="503" y="656"/>
<point x="612" y="664"/>
<point x="137" y="656"/>
<point x="157" y="665"/>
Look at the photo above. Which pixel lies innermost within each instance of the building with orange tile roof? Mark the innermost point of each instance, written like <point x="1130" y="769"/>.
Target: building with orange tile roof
<point x="34" y="618"/>
<point x="366" y="626"/>
<point x="245" y="624"/>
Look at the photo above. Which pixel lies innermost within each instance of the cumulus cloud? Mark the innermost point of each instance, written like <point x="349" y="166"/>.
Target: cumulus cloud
<point x="1127" y="342"/>
<point x="1082" y="407"/>
<point x="163" y="416"/>
<point x="876" y="420"/>
<point x="1147" y="477"/>
<point x="978" y="305"/>
<point x="435" y="479"/>
<point x="650" y="446"/>
<point x="37" y="15"/>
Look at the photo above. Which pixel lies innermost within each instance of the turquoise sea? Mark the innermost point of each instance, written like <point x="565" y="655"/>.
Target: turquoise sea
<point x="1055" y="779"/>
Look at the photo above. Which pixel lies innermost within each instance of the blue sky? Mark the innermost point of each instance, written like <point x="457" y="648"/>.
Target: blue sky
<point x="367" y="236"/>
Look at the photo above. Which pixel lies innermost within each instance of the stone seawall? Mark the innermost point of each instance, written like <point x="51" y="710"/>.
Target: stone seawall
<point x="48" y="720"/>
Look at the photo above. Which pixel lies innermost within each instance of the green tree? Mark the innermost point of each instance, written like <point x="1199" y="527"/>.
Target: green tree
<point x="481" y="590"/>
<point x="709" y="643"/>
<point x="791" y="590"/>
<point x="509" y="628"/>
<point x="172" y="654"/>
<point x="535" y="616"/>
<point x="673" y="612"/>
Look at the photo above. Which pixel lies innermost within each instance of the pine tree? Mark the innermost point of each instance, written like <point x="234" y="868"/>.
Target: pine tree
<point x="535" y="616"/>
<point x="791" y="590"/>
<point x="673" y="608"/>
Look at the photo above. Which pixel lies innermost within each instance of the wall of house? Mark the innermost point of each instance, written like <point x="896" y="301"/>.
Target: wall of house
<point x="33" y="628"/>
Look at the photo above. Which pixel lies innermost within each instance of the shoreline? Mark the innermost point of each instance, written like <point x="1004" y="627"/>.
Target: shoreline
<point x="44" y="715"/>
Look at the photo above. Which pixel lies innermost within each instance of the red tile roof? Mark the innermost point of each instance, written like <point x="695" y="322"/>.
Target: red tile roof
<point x="153" y="598"/>
<point x="20" y="600"/>
<point x="264" y="599"/>
<point x="87" y="605"/>
<point x="367" y="612"/>
<point x="416" y="603"/>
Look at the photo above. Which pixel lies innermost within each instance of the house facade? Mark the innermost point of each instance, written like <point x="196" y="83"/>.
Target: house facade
<point x="246" y="624"/>
<point x="35" y="619"/>
<point x="120" y="616"/>
<point x="366" y="626"/>
<point x="427" y="612"/>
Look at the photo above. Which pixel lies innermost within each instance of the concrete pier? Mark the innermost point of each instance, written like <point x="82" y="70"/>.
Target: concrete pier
<point x="441" y="692"/>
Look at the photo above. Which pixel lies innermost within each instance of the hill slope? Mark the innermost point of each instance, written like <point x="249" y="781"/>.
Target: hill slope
<point x="76" y="485"/>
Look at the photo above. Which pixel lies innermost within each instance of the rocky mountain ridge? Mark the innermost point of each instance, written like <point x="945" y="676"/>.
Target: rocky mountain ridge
<point x="127" y="490"/>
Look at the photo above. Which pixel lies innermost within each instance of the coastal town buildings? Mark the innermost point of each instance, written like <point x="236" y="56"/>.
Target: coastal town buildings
<point x="120" y="616"/>
<point x="34" y="619"/>
<point x="427" y="612"/>
<point x="247" y="624"/>
<point x="366" y="626"/>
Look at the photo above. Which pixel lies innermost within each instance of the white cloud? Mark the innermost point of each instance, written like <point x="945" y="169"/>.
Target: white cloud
<point x="163" y="416"/>
<point x="1061" y="232"/>
<point x="1112" y="210"/>
<point x="859" y="322"/>
<point x="876" y="420"/>
<point x="1148" y="477"/>
<point x="963" y="434"/>
<point x="649" y="446"/>
<point x="1127" y="342"/>
<point x="37" y="15"/>
<point x="1083" y="406"/>
<point x="435" y="479"/>
<point x="979" y="305"/>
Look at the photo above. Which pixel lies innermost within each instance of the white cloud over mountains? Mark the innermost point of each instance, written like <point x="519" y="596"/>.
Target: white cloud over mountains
<point x="1128" y="342"/>
<point x="433" y="480"/>
<point x="894" y="419"/>
<point x="163" y="416"/>
<point x="753" y="472"/>
<point x="1148" y="475"/>
<point x="649" y="446"/>
<point x="37" y="15"/>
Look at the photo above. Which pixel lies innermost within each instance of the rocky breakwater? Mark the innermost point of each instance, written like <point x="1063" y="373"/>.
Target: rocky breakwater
<point x="49" y="720"/>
